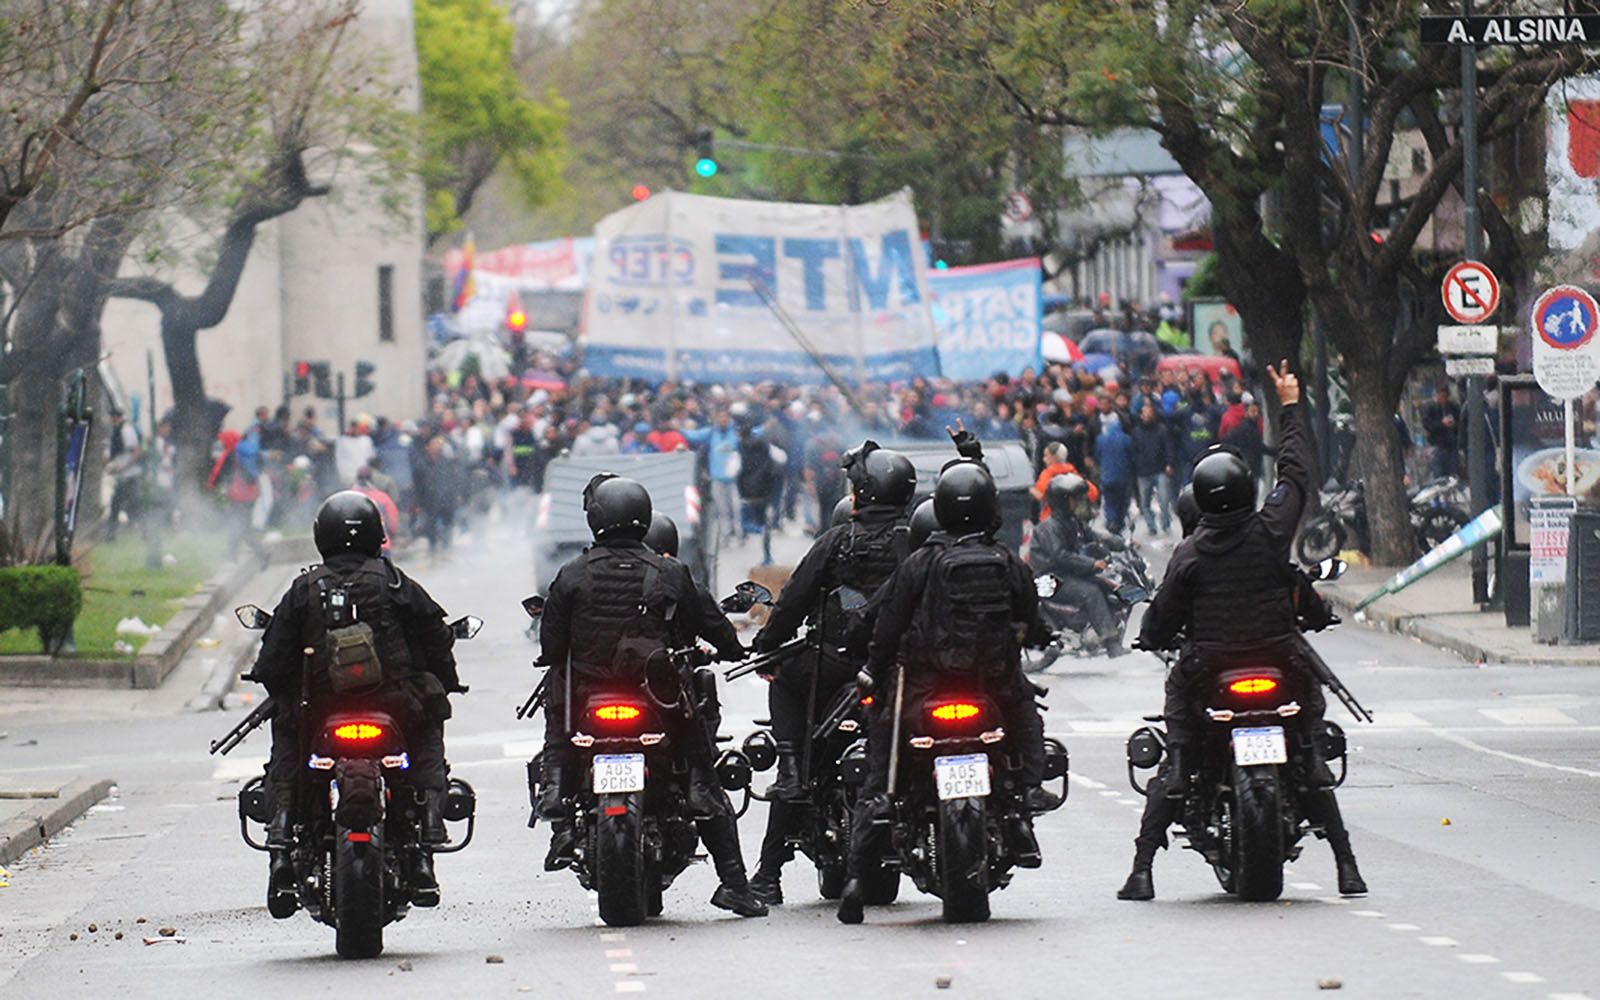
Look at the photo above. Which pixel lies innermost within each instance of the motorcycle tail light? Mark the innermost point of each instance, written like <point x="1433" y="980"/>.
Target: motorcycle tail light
<point x="617" y="713"/>
<point x="359" y="732"/>
<point x="867" y="701"/>
<point x="1253" y="685"/>
<point x="955" y="711"/>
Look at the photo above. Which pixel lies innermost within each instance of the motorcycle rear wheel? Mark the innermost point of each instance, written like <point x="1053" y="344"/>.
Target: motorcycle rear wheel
<point x="1437" y="525"/>
<point x="619" y="869"/>
<point x="358" y="903"/>
<point x="963" y="861"/>
<point x="1321" y="538"/>
<point x="1257" y="833"/>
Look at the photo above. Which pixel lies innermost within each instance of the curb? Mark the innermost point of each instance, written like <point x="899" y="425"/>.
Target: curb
<point x="224" y="676"/>
<point x="1447" y="637"/>
<point x="38" y="823"/>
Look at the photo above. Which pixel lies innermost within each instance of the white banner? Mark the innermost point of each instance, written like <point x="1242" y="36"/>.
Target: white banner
<point x="681" y="282"/>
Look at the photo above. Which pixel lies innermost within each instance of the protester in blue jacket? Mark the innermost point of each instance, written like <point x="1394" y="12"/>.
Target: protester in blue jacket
<point x="1114" y="454"/>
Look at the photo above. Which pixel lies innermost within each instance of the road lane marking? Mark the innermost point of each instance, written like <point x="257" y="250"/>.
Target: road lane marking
<point x="1403" y="928"/>
<point x="1531" y="762"/>
<point x="1110" y="793"/>
<point x="1086" y="782"/>
<point x="624" y="967"/>
<point x="1399" y="720"/>
<point x="619" y="952"/>
<point x="1365" y="913"/>
<point x="614" y="936"/>
<point x="1475" y="959"/>
<point x="1522" y="977"/>
<point x="630" y="986"/>
<point x="1305" y="886"/>
<point x="1569" y="996"/>
<point x="1438" y="942"/>
<point x="1528" y="716"/>
<point x="1103" y="726"/>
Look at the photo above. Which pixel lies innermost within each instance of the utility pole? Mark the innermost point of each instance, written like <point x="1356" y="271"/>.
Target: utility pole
<point x="1477" y="456"/>
<point x="339" y="397"/>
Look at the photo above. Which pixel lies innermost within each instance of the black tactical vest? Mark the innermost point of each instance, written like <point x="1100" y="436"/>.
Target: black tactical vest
<point x="864" y="556"/>
<point x="963" y="623"/>
<point x="374" y="589"/>
<point x="622" y="606"/>
<point x="1243" y="594"/>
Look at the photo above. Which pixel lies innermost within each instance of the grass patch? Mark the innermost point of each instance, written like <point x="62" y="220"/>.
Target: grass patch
<point x="116" y="585"/>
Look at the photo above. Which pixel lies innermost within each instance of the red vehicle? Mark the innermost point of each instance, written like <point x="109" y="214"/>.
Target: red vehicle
<point x="1212" y="364"/>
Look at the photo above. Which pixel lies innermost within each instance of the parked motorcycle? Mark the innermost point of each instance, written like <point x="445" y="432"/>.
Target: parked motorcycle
<point x="357" y="836"/>
<point x="1241" y="801"/>
<point x="955" y="789"/>
<point x="1437" y="510"/>
<point x="635" y="811"/>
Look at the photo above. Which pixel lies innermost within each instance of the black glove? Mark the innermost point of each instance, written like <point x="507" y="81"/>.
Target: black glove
<point x="967" y="444"/>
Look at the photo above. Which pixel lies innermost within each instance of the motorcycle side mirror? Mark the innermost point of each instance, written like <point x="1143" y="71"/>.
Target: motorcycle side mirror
<point x="1045" y="585"/>
<point x="252" y="617"/>
<point x="1330" y="569"/>
<point x="744" y="597"/>
<point x="466" y="627"/>
<point x="534" y="605"/>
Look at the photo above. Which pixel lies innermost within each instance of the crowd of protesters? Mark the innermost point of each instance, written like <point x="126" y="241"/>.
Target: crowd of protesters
<point x="769" y="452"/>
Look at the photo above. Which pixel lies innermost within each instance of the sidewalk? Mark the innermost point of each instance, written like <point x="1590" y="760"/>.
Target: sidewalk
<point x="1438" y="609"/>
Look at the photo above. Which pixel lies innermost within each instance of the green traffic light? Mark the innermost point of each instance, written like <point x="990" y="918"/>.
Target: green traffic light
<point x="705" y="166"/>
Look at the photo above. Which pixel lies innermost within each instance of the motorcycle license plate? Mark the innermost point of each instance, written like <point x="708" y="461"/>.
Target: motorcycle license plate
<point x="617" y="773"/>
<point x="1260" y="746"/>
<point x="963" y="777"/>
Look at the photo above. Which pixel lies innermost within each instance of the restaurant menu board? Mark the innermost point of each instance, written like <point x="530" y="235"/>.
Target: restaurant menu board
<point x="1537" y="462"/>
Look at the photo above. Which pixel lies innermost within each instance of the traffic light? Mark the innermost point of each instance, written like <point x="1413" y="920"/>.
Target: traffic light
<point x="302" y="378"/>
<point x="322" y="377"/>
<point x="705" y="164"/>
<point x="364" y="386"/>
<point x="640" y="192"/>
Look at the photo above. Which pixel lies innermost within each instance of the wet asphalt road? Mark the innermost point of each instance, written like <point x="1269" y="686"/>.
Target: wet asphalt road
<point x="1474" y="806"/>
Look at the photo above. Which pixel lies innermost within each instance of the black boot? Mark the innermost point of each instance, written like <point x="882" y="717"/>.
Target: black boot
<point x="1350" y="881"/>
<point x="424" y="884"/>
<point x="1024" y="845"/>
<point x="562" y="842"/>
<point x="1140" y="885"/>
<point x="767" y="885"/>
<point x="721" y="837"/>
<point x="282" y="900"/>
<point x="852" y="905"/>
<point x="1042" y="800"/>
<point x="787" y="786"/>
<point x="1323" y="809"/>
<point x="548" y="806"/>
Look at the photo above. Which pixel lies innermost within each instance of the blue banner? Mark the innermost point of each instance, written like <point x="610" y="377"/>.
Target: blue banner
<point x="987" y="318"/>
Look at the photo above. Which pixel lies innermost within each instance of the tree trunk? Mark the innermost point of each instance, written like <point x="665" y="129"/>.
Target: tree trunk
<point x="1377" y="452"/>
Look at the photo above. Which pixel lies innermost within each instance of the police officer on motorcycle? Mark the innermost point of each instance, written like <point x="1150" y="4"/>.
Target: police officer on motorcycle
<point x="607" y="613"/>
<point x="662" y="539"/>
<point x="356" y="584"/>
<point x="858" y="554"/>
<point x="1238" y="557"/>
<point x="1069" y="548"/>
<point x="968" y="625"/>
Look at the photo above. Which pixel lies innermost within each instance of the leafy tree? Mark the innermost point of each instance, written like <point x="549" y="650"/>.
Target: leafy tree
<point x="476" y="117"/>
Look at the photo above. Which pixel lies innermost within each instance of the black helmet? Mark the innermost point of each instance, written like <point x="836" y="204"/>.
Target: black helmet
<point x="1222" y="484"/>
<point x="348" y="522"/>
<point x="841" y="512"/>
<point x="662" y="537"/>
<point x="1063" y="490"/>
<point x="616" y="507"/>
<point x="879" y="475"/>
<point x="924" y="522"/>
<point x="965" y="499"/>
<point x="1188" y="510"/>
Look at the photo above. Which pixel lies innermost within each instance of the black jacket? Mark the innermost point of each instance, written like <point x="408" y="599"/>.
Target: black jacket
<point x="1153" y="451"/>
<point x="903" y="599"/>
<point x="296" y="624"/>
<point x="1232" y="580"/>
<point x="1065" y="546"/>
<point x="829" y="565"/>
<point x="619" y="591"/>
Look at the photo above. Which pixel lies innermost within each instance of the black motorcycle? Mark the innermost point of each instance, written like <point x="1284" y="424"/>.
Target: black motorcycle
<point x="1437" y="510"/>
<point x="955" y="788"/>
<point x="1242" y="809"/>
<point x="633" y="811"/>
<point x="1126" y="583"/>
<point x="357" y="836"/>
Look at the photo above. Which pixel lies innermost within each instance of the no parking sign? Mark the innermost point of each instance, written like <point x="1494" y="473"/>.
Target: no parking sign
<point x="1566" y="354"/>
